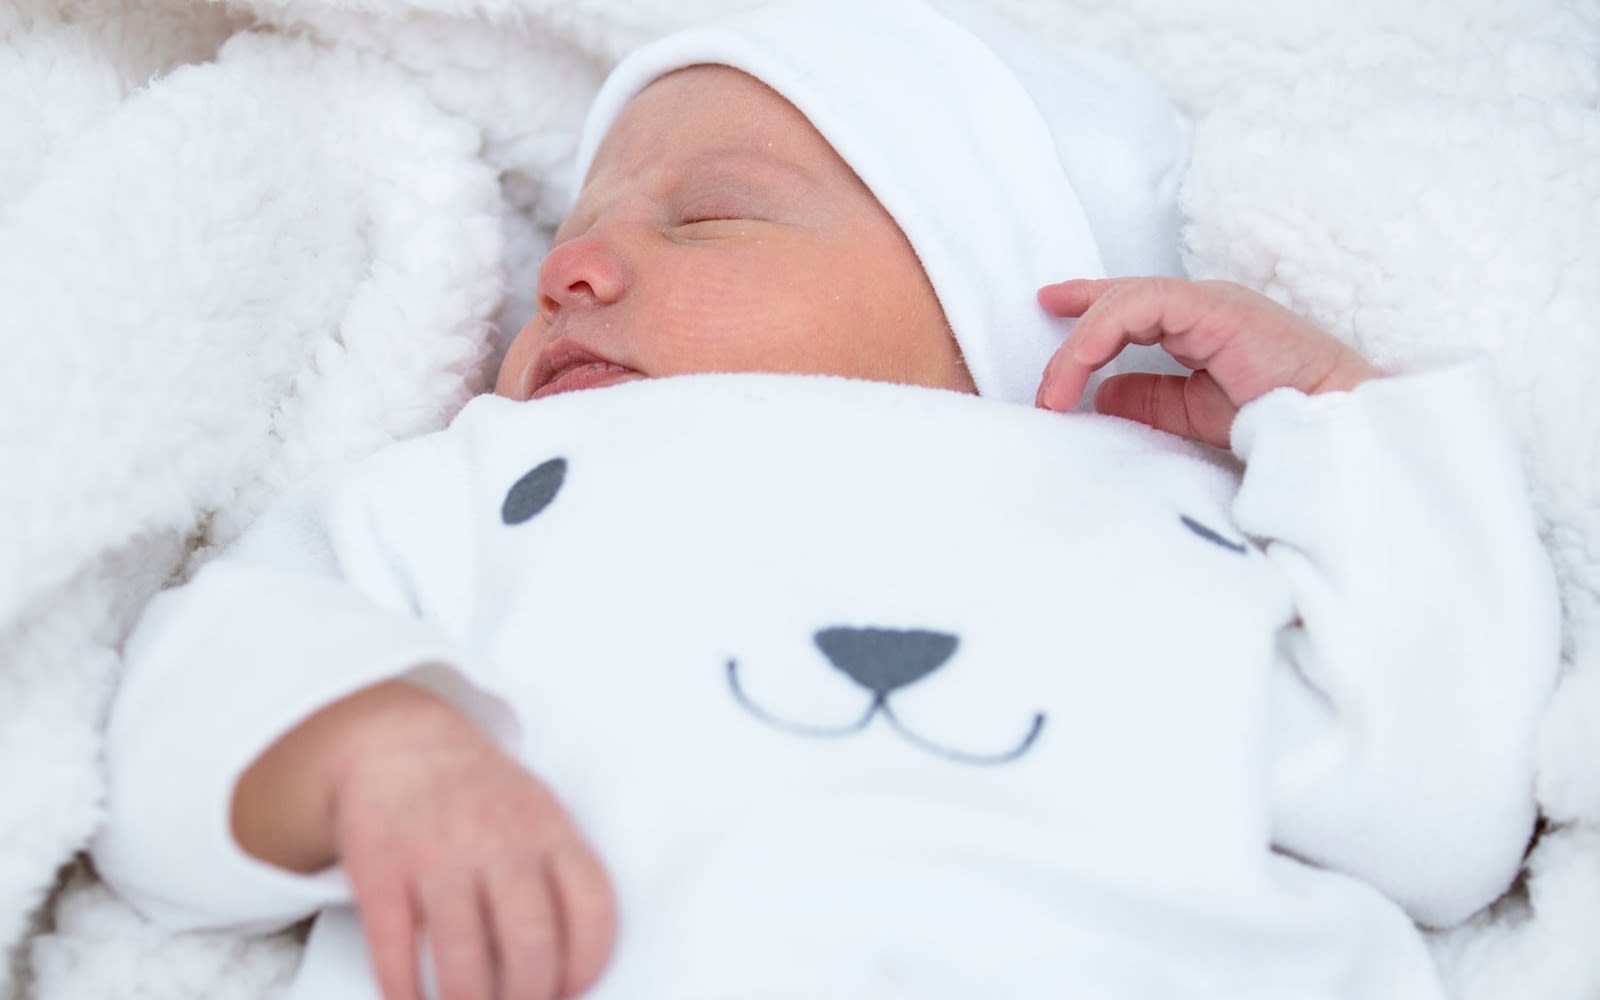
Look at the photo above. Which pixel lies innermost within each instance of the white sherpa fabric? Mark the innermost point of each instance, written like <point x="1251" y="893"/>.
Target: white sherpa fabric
<point x="222" y="276"/>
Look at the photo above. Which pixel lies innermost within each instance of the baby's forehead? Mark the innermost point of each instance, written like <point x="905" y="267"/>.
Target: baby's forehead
<point x="711" y="81"/>
<point x="712" y="121"/>
<point x="711" y="108"/>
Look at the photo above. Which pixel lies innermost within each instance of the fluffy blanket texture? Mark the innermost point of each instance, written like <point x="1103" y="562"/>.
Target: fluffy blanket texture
<point x="241" y="242"/>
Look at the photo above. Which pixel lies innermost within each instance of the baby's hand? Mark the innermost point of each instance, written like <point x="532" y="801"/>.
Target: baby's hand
<point x="1240" y="344"/>
<point x="441" y="832"/>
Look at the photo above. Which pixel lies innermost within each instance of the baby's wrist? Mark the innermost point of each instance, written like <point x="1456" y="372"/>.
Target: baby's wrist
<point x="284" y="804"/>
<point x="1349" y="373"/>
<point x="389" y="718"/>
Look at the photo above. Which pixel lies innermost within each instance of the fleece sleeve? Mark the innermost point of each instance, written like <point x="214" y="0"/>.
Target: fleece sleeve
<point x="1427" y="637"/>
<point x="343" y="587"/>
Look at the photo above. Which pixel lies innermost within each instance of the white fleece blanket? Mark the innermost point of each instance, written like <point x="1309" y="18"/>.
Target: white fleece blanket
<point x="239" y="243"/>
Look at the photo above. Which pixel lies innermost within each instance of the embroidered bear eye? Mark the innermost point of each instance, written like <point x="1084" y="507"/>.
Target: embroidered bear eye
<point x="534" y="491"/>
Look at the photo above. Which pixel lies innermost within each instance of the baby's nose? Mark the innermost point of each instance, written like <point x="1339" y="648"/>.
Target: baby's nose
<point x="883" y="660"/>
<point x="584" y="270"/>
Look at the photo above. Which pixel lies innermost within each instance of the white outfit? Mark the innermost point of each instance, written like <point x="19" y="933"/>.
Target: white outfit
<point x="1107" y="676"/>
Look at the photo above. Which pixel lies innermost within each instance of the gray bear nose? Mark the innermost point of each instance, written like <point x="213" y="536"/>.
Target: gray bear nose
<point x="881" y="659"/>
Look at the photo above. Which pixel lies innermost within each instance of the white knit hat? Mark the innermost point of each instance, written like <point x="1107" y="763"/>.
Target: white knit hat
<point x="1007" y="164"/>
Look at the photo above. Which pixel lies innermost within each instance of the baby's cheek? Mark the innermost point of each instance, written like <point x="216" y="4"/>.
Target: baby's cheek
<point x="511" y="381"/>
<point x="719" y="318"/>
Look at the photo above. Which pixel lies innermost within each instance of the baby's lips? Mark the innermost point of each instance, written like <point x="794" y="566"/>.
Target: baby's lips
<point x="590" y="375"/>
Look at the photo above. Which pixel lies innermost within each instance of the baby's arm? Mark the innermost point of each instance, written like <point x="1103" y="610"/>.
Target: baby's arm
<point x="439" y="829"/>
<point x="1395" y="513"/>
<point x="263" y="708"/>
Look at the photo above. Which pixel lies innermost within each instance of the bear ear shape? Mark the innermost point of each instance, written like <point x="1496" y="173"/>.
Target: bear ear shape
<point x="534" y="491"/>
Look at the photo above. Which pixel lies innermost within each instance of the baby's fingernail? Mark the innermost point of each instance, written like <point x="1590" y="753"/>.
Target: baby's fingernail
<point x="1048" y="397"/>
<point x="1041" y="396"/>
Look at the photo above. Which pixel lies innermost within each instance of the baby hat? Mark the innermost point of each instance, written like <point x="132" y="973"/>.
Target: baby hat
<point x="1008" y="163"/>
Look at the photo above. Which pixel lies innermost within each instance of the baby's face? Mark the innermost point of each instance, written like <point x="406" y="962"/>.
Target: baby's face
<point x="719" y="232"/>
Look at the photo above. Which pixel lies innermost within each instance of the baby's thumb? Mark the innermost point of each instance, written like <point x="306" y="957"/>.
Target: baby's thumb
<point x="1191" y="406"/>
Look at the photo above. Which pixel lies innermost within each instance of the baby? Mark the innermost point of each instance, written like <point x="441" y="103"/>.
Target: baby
<point x="870" y="190"/>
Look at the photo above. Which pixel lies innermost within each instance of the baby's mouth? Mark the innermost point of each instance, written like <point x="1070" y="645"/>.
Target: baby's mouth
<point x="567" y="365"/>
<point x="584" y="375"/>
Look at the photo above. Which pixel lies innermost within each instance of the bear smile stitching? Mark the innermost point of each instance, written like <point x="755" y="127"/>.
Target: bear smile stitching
<point x="883" y="661"/>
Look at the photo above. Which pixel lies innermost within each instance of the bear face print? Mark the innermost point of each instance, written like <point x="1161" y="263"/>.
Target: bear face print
<point x="887" y="595"/>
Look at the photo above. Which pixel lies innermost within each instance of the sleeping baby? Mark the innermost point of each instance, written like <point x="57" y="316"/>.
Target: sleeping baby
<point x="823" y="644"/>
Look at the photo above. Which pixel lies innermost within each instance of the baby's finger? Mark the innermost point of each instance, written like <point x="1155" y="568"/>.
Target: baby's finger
<point x="1192" y="406"/>
<point x="458" y="938"/>
<point x="1073" y="297"/>
<point x="527" y="932"/>
<point x="589" y="914"/>
<point x="1142" y="311"/>
<point x="389" y="921"/>
<point x="1062" y="384"/>
<point x="1124" y="311"/>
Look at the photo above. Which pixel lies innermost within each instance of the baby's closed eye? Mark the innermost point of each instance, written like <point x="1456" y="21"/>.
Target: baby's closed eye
<point x="722" y="207"/>
<point x="716" y="222"/>
<point x="716" y="197"/>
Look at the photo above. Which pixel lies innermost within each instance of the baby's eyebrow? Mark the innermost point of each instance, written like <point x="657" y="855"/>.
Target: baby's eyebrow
<point x="713" y="161"/>
<point x="730" y="158"/>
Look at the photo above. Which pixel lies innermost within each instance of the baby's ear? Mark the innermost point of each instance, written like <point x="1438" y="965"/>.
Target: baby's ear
<point x="534" y="491"/>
